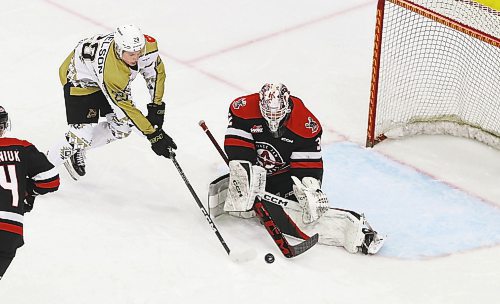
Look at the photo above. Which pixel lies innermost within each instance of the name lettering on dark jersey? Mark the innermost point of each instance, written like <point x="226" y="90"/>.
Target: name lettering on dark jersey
<point x="9" y="156"/>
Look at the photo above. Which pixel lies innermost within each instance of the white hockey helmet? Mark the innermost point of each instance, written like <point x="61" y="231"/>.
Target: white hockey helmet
<point x="129" y="38"/>
<point x="274" y="105"/>
<point x="4" y="121"/>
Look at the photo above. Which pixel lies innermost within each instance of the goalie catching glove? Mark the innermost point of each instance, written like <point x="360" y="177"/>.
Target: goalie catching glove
<point x="310" y="197"/>
<point x="246" y="181"/>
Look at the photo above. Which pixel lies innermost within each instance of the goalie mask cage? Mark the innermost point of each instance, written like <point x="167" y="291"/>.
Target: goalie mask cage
<point x="436" y="70"/>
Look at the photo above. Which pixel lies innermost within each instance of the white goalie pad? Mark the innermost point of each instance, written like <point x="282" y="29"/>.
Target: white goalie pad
<point x="217" y="194"/>
<point x="245" y="182"/>
<point x="310" y="197"/>
<point x="341" y="228"/>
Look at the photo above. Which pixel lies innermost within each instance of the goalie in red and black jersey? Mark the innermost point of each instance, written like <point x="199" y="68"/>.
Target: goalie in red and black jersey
<point x="277" y="132"/>
<point x="273" y="144"/>
<point x="25" y="173"/>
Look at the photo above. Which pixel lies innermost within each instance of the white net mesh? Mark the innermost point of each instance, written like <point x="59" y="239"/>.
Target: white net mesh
<point x="431" y="72"/>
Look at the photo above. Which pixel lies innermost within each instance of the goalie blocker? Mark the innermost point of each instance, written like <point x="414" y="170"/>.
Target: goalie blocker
<point x="336" y="227"/>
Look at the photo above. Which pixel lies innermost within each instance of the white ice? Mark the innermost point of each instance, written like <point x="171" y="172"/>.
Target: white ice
<point x="130" y="231"/>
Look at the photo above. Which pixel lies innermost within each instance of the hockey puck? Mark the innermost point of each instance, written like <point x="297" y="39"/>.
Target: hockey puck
<point x="269" y="258"/>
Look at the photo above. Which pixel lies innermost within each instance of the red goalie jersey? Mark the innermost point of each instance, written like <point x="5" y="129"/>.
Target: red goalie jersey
<point x="296" y="151"/>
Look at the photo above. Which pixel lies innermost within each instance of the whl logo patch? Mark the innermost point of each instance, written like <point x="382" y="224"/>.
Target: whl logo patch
<point x="256" y="129"/>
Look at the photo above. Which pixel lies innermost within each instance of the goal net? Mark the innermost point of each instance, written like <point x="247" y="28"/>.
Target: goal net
<point x="436" y="70"/>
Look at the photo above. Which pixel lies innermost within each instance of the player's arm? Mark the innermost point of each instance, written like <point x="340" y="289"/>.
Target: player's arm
<point x="116" y="88"/>
<point x="43" y="177"/>
<point x="307" y="159"/>
<point x="154" y="75"/>
<point x="306" y="168"/>
<point x="238" y="142"/>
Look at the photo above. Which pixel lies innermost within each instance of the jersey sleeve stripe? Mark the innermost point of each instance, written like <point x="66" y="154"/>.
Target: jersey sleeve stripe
<point x="48" y="184"/>
<point x="305" y="155"/>
<point x="11" y="216"/>
<point x="308" y="165"/>
<point x="238" y="143"/>
<point x="239" y="133"/>
<point x="11" y="228"/>
<point x="49" y="174"/>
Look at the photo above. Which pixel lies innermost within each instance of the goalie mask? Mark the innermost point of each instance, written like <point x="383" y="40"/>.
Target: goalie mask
<point x="4" y="121"/>
<point x="275" y="106"/>
<point x="129" y="38"/>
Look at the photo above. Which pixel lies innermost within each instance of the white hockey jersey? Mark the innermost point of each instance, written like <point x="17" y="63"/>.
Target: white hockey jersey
<point x="95" y="66"/>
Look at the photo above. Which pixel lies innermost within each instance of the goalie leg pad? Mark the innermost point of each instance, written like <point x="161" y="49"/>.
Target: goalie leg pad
<point x="245" y="183"/>
<point x="343" y="228"/>
<point x="217" y="194"/>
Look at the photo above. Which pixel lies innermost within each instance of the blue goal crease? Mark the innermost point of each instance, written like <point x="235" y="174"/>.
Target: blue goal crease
<point x="422" y="217"/>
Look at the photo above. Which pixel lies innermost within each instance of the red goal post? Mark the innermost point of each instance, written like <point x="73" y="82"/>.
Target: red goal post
<point x="436" y="70"/>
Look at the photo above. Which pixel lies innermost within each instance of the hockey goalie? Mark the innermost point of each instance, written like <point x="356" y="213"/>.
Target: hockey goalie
<point x="273" y="145"/>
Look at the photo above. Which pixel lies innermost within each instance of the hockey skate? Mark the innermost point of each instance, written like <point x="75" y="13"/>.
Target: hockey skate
<point x="373" y="241"/>
<point x="75" y="164"/>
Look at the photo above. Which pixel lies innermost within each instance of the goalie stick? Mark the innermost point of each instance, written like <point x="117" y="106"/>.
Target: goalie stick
<point x="288" y="250"/>
<point x="235" y="256"/>
<point x="262" y="212"/>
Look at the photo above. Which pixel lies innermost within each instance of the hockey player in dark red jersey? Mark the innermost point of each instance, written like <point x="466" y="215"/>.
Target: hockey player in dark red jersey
<point x="273" y="144"/>
<point x="24" y="173"/>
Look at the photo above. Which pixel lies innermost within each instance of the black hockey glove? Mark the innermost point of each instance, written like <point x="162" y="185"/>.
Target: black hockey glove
<point x="29" y="201"/>
<point x="156" y="114"/>
<point x="162" y="144"/>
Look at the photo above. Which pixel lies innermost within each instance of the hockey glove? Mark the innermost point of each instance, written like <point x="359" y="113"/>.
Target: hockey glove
<point x="29" y="201"/>
<point x="156" y="114"/>
<point x="161" y="143"/>
<point x="310" y="197"/>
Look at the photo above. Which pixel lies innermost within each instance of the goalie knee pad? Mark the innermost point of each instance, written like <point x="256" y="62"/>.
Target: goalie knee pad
<point x="245" y="182"/>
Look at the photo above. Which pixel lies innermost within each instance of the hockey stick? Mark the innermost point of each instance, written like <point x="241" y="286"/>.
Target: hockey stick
<point x="235" y="256"/>
<point x="288" y="250"/>
<point x="261" y="211"/>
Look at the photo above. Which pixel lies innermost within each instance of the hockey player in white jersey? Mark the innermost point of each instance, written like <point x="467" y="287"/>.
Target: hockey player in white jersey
<point x="96" y="77"/>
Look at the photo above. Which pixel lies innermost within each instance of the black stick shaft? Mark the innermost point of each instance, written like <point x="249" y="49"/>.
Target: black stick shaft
<point x="202" y="208"/>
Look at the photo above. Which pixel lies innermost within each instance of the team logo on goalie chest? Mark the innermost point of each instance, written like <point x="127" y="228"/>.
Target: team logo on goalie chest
<point x="269" y="158"/>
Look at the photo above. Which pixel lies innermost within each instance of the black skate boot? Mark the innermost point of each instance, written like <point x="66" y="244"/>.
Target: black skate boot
<point x="76" y="164"/>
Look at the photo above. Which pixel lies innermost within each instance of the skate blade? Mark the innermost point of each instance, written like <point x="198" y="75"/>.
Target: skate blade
<point x="71" y="171"/>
